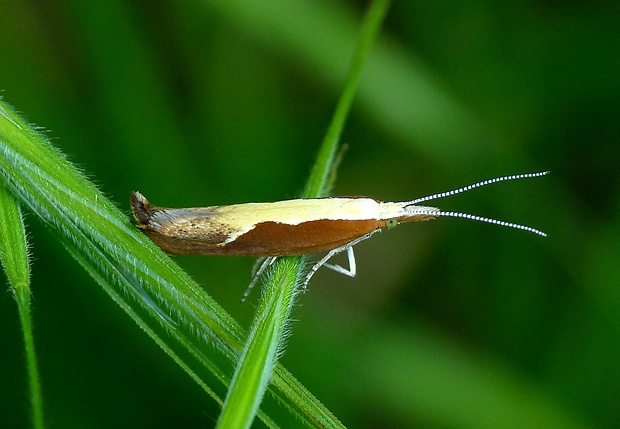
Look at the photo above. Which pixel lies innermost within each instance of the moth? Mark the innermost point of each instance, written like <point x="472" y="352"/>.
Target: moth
<point x="292" y="227"/>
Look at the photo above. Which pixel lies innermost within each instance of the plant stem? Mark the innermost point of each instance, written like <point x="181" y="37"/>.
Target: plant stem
<point x="316" y="186"/>
<point x="14" y="258"/>
<point x="265" y="341"/>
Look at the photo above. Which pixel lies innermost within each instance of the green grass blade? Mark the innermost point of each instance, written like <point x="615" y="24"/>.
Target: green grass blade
<point x="318" y="181"/>
<point x="260" y="353"/>
<point x="269" y="328"/>
<point x="185" y="321"/>
<point x="14" y="258"/>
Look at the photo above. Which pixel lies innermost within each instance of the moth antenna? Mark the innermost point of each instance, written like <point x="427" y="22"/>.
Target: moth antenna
<point x="439" y="213"/>
<point x="477" y="185"/>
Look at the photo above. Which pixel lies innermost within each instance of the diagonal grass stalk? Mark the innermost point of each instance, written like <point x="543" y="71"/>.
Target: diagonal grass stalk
<point x="159" y="296"/>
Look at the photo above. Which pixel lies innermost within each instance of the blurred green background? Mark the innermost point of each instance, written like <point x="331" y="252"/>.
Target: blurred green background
<point x="449" y="324"/>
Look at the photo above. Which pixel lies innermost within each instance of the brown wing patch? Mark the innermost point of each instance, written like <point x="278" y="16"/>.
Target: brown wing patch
<point x="276" y="239"/>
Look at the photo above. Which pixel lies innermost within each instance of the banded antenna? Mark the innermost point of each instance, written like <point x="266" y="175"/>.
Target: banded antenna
<point x="438" y="213"/>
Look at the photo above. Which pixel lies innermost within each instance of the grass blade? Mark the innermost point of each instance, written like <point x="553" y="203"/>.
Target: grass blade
<point x="14" y="258"/>
<point x="269" y="328"/>
<point x="161" y="298"/>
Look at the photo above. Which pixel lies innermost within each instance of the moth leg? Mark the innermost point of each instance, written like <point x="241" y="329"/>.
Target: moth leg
<point x="257" y="265"/>
<point x="264" y="264"/>
<point x="352" y="266"/>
